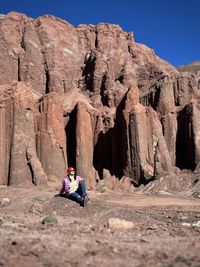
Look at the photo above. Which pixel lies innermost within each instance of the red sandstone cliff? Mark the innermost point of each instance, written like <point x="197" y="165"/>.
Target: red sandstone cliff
<point x="93" y="98"/>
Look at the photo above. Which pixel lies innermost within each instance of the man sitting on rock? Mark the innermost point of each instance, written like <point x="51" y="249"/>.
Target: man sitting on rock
<point x="74" y="188"/>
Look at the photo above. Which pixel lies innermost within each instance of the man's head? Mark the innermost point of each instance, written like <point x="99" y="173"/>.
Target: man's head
<point x="70" y="171"/>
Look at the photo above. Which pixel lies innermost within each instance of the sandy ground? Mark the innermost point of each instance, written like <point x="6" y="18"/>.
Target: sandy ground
<point x="165" y="230"/>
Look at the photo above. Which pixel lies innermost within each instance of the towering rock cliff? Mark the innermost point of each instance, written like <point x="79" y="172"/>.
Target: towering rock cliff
<point x="93" y="98"/>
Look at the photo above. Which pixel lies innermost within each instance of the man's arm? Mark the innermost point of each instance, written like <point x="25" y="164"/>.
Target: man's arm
<point x="79" y="179"/>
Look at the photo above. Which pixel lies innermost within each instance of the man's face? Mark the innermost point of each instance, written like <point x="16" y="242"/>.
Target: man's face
<point x="71" y="173"/>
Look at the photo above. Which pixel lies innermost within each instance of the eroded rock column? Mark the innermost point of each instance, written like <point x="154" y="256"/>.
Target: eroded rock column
<point x="84" y="145"/>
<point x="22" y="134"/>
<point x="146" y="145"/>
<point x="2" y="145"/>
<point x="50" y="136"/>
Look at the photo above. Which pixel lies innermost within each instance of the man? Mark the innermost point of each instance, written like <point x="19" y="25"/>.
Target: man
<point x="74" y="188"/>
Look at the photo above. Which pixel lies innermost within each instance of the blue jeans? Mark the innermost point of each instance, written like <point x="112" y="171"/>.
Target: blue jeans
<point x="77" y="195"/>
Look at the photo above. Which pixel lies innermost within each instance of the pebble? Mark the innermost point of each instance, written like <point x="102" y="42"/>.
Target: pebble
<point x="184" y="218"/>
<point x="5" y="201"/>
<point x="35" y="208"/>
<point x="144" y="240"/>
<point x="186" y="224"/>
<point x="8" y="223"/>
<point x="197" y="224"/>
<point x="116" y="224"/>
<point x="115" y="249"/>
<point x="153" y="227"/>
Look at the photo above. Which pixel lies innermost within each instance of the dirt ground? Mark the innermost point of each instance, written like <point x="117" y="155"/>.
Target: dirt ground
<point x="166" y="230"/>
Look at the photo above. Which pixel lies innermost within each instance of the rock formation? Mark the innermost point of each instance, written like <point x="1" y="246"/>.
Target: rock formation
<point x="93" y="98"/>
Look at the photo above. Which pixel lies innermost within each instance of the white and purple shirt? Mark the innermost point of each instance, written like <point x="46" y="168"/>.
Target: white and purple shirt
<point x="69" y="186"/>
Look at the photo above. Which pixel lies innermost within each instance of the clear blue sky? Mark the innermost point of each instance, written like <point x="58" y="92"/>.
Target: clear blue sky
<point x="170" y="27"/>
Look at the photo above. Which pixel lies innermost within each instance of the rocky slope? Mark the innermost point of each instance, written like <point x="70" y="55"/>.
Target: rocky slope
<point x="193" y="67"/>
<point x="93" y="98"/>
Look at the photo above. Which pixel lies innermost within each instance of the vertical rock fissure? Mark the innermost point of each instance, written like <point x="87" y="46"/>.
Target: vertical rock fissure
<point x="44" y="58"/>
<point x="121" y="139"/>
<point x="9" y="166"/>
<point x="47" y="75"/>
<point x="96" y="39"/>
<point x="88" y="72"/>
<point x="22" y="43"/>
<point x="32" y="173"/>
<point x="120" y="76"/>
<point x="104" y="98"/>
<point x="70" y="131"/>
<point x="151" y="99"/>
<point x="19" y="69"/>
<point x="154" y="98"/>
<point x="134" y="149"/>
<point x="98" y="149"/>
<point x="11" y="144"/>
<point x="2" y="144"/>
<point x="102" y="157"/>
<point x="185" y="147"/>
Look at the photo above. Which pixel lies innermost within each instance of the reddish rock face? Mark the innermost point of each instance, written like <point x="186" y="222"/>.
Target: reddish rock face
<point x="93" y="98"/>
<point x="50" y="135"/>
<point x="17" y="132"/>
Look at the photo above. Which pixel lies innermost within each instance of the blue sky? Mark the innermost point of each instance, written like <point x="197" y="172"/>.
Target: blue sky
<point x="170" y="27"/>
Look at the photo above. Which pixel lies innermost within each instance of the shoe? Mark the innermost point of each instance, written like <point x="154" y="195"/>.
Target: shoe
<point x="84" y="201"/>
